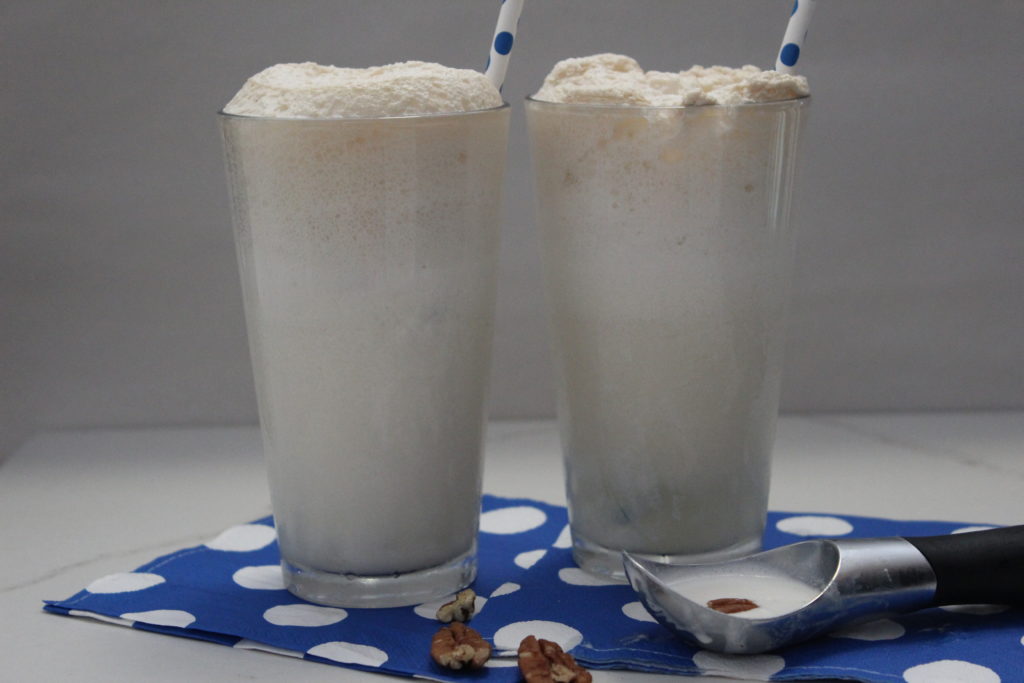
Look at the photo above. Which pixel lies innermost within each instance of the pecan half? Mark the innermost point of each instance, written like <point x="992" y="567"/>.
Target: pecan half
<point x="732" y="605"/>
<point x="459" y="647"/>
<point x="459" y="609"/>
<point x="542" y="661"/>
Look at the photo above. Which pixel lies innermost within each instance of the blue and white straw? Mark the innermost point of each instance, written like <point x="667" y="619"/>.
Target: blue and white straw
<point x="501" y="45"/>
<point x="796" y="33"/>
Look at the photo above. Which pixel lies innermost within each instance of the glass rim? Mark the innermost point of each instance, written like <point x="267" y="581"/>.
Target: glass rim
<point x="610" y="107"/>
<point x="336" y="119"/>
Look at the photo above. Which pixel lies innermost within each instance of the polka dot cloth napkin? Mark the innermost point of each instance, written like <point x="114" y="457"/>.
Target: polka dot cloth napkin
<point x="229" y="591"/>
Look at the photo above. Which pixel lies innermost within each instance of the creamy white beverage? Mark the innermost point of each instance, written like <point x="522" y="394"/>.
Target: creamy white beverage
<point x="366" y="207"/>
<point x="619" y="80"/>
<point x="663" y="207"/>
<point x="316" y="91"/>
<point x="766" y="595"/>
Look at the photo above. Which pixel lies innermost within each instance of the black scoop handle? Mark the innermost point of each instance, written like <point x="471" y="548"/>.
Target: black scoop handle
<point x="978" y="567"/>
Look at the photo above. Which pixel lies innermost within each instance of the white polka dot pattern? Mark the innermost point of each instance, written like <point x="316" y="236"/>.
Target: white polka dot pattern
<point x="349" y="653"/>
<point x="501" y="663"/>
<point x="304" y="614"/>
<point x="637" y="612"/>
<point x="246" y="644"/>
<point x="509" y="636"/>
<point x="125" y="582"/>
<point x="266" y="577"/>
<point x="505" y="589"/>
<point x="162" y="617"/>
<point x="513" y="520"/>
<point x="244" y="538"/>
<point x="231" y="590"/>
<point x="577" y="577"/>
<point x="756" y="667"/>
<point x="529" y="558"/>
<point x="428" y="610"/>
<point x="100" y="617"/>
<point x="814" y="525"/>
<point x="950" y="671"/>
<point x="880" y="629"/>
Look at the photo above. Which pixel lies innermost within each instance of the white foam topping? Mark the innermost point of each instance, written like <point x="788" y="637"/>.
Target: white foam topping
<point x="310" y="90"/>
<point x="617" y="79"/>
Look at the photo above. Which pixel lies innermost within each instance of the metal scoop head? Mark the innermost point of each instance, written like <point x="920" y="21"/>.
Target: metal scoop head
<point x="798" y="591"/>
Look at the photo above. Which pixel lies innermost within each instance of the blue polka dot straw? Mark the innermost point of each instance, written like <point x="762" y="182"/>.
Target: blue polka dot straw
<point x="501" y="44"/>
<point x="796" y="33"/>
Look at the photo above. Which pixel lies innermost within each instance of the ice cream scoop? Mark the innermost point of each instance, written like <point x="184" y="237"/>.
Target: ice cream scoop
<point x="775" y="598"/>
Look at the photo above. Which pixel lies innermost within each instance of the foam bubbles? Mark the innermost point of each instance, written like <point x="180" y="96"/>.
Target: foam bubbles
<point x="310" y="90"/>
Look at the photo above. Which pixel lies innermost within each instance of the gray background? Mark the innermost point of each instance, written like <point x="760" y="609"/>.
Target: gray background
<point x="119" y="300"/>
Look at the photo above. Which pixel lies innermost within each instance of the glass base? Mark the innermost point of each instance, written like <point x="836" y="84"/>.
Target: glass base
<point x="607" y="562"/>
<point x="393" y="590"/>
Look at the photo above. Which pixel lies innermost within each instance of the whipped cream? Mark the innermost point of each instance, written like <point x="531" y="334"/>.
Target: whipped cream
<point x="310" y="90"/>
<point x="617" y="79"/>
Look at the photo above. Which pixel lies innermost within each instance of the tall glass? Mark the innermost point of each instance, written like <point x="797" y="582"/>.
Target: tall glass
<point x="667" y="253"/>
<point x="368" y="251"/>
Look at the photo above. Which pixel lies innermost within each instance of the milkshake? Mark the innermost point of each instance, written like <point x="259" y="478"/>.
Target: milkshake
<point x="663" y="203"/>
<point x="367" y="206"/>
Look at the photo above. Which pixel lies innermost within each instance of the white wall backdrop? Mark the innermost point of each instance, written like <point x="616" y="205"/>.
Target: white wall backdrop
<point x="119" y="300"/>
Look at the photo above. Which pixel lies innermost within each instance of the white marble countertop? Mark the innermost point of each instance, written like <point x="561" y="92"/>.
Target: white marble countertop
<point x="78" y="505"/>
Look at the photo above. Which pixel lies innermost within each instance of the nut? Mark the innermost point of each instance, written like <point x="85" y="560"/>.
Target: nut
<point x="732" y="605"/>
<point x="459" y="647"/>
<point x="542" y="661"/>
<point x="459" y="609"/>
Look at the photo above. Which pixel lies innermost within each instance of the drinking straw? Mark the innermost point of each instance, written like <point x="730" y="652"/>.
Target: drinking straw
<point x="796" y="33"/>
<point x="501" y="45"/>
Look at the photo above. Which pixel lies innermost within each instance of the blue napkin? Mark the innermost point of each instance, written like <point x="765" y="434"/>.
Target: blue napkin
<point x="229" y="591"/>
